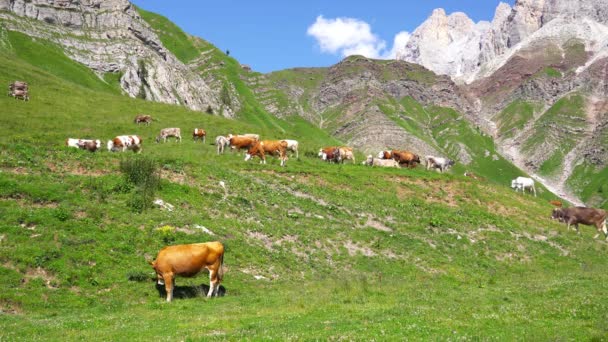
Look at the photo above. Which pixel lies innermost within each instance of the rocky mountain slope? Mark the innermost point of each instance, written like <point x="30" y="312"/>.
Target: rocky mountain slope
<point x="110" y="37"/>
<point x="537" y="77"/>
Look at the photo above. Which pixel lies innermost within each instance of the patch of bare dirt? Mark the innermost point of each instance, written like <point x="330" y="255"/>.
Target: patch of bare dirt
<point x="39" y="272"/>
<point x="354" y="249"/>
<point x="372" y="222"/>
<point x="76" y="169"/>
<point x="265" y="239"/>
<point x="10" y="307"/>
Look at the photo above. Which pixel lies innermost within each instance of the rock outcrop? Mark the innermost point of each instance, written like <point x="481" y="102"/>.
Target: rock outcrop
<point x="110" y="36"/>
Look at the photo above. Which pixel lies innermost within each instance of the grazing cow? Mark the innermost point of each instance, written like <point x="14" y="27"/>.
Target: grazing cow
<point x="371" y="161"/>
<point x="125" y="142"/>
<point x="272" y="147"/>
<point x="330" y="154"/>
<point x="247" y="135"/>
<point x="90" y="146"/>
<point x="523" y="183"/>
<point x="556" y="203"/>
<point x="292" y="145"/>
<point x="20" y="94"/>
<point x="80" y="143"/>
<point x="587" y="216"/>
<point x="385" y="154"/>
<point x="438" y="163"/>
<point x="142" y="118"/>
<point x="221" y="142"/>
<point x="407" y="158"/>
<point x="169" y="132"/>
<point x="188" y="261"/>
<point x="199" y="134"/>
<point x="346" y="153"/>
<point x="241" y="142"/>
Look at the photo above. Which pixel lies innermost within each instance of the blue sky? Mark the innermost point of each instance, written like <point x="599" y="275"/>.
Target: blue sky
<point x="273" y="35"/>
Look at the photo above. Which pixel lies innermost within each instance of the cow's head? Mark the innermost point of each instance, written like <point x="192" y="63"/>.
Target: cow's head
<point x="514" y="184"/>
<point x="557" y="214"/>
<point x="369" y="160"/>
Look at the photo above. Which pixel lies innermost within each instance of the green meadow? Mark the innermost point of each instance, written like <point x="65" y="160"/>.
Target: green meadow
<point x="314" y="251"/>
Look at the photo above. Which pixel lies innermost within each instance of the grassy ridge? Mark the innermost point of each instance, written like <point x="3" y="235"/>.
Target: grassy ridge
<point x="345" y="251"/>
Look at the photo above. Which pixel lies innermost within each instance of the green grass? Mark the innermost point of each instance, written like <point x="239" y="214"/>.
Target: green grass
<point x="347" y="252"/>
<point x="182" y="45"/>
<point x="514" y="117"/>
<point x="555" y="130"/>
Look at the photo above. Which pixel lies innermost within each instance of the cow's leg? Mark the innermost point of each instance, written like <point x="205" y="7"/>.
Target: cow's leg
<point x="213" y="283"/>
<point x="169" y="285"/>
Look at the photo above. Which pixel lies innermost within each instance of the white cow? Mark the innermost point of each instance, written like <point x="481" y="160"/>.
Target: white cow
<point x="221" y="142"/>
<point x="371" y="161"/>
<point x="292" y="145"/>
<point x="438" y="163"/>
<point x="169" y="132"/>
<point x="523" y="183"/>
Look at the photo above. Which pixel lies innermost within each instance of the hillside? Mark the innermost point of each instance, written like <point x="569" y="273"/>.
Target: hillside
<point x="314" y="251"/>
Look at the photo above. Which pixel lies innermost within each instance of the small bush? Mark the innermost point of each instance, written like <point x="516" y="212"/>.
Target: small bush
<point x="62" y="214"/>
<point x="138" y="276"/>
<point x="143" y="173"/>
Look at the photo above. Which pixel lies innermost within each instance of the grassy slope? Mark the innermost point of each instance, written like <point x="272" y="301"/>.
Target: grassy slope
<point x="348" y="252"/>
<point x="514" y="117"/>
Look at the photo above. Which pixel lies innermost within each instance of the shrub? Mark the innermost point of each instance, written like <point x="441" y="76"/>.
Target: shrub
<point x="143" y="173"/>
<point x="138" y="276"/>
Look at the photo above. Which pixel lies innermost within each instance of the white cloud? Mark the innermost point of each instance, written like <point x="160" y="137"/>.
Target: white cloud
<point x="399" y="43"/>
<point x="349" y="36"/>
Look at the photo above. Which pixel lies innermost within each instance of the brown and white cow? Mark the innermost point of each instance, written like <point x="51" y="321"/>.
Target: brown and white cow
<point x="241" y="142"/>
<point x="125" y="142"/>
<point x="371" y="161"/>
<point x="188" y="261"/>
<point x="143" y="118"/>
<point x="84" y="144"/>
<point x="406" y="158"/>
<point x="199" y="134"/>
<point x="169" y="132"/>
<point x="587" y="216"/>
<point x="385" y="154"/>
<point x="330" y="154"/>
<point x="272" y="147"/>
<point x="20" y="94"/>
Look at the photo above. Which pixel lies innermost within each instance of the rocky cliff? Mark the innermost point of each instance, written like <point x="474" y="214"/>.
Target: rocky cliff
<point x="109" y="36"/>
<point x="538" y="66"/>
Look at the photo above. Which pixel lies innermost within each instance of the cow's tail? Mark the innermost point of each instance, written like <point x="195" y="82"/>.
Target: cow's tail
<point x="220" y="271"/>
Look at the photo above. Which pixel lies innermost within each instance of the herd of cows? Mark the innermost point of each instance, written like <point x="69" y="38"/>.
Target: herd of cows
<point x="188" y="260"/>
